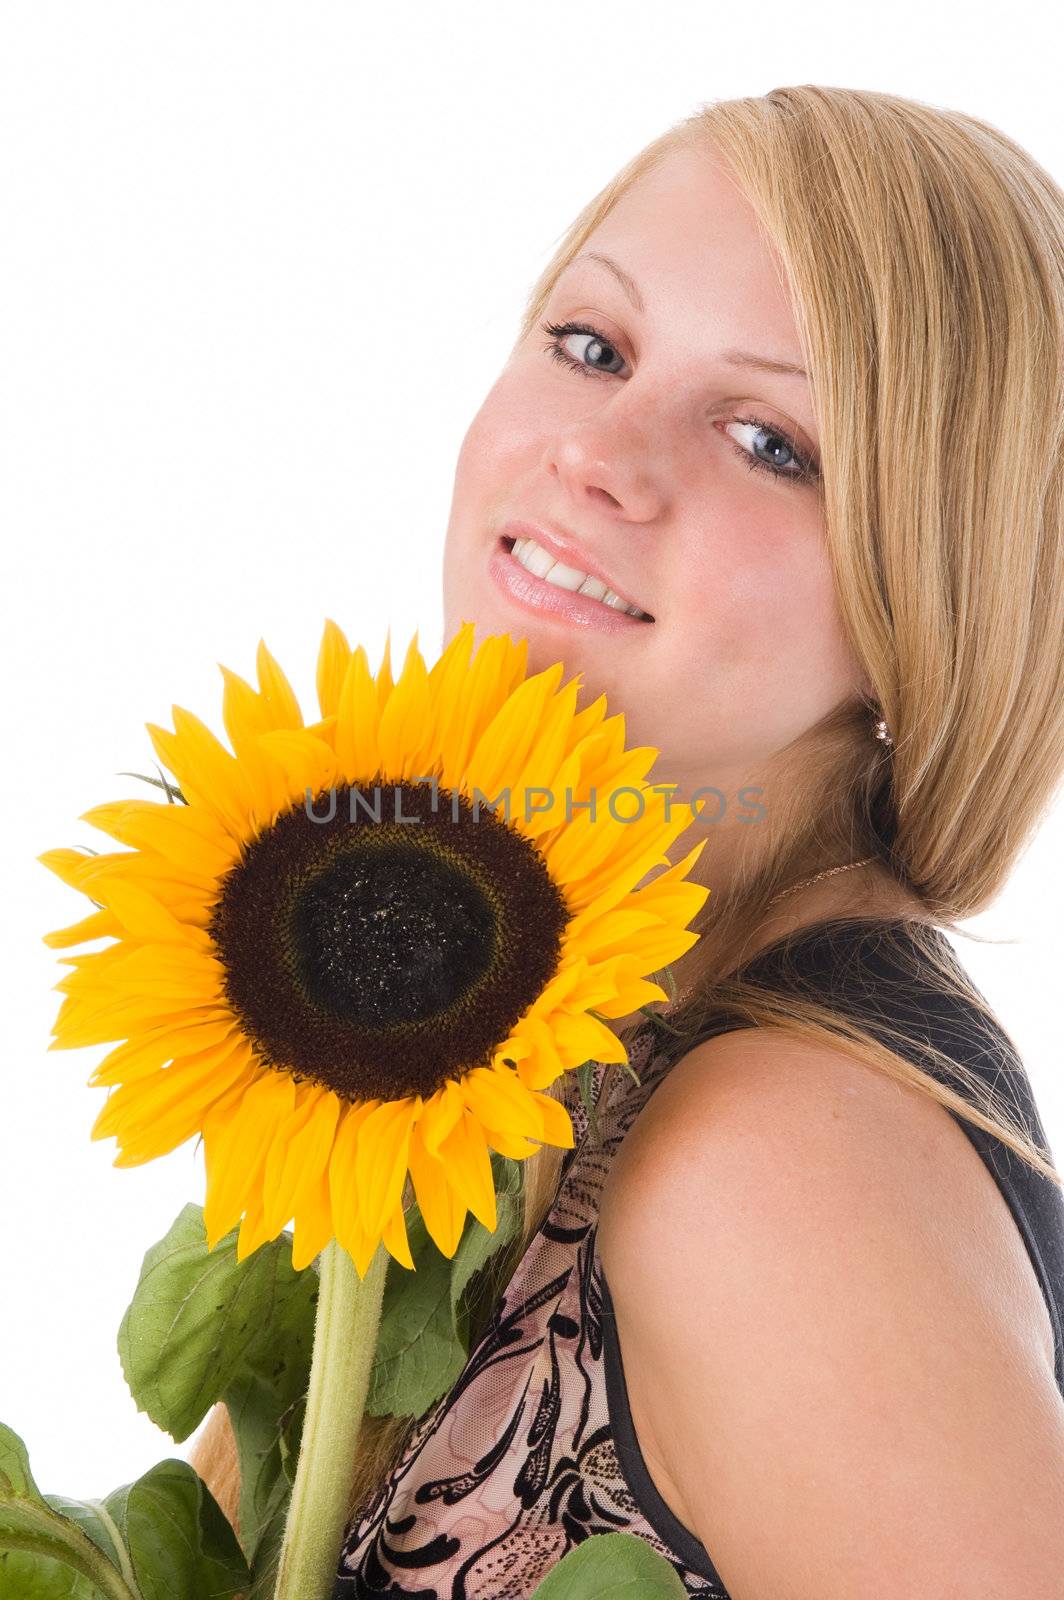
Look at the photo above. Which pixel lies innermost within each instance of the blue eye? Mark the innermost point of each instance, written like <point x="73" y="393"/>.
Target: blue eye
<point x="562" y="330"/>
<point x="777" y="442"/>
<point x="799" y="469"/>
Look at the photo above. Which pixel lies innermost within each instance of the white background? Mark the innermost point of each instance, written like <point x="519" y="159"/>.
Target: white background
<point x="260" y="264"/>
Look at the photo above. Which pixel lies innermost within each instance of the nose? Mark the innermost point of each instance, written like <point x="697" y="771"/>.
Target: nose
<point x="608" y="480"/>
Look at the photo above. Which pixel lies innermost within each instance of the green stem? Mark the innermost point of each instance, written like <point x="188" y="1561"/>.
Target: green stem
<point x="346" y="1328"/>
<point x="43" y="1532"/>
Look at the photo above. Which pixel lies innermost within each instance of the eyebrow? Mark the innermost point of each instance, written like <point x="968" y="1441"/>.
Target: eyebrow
<point x="733" y="356"/>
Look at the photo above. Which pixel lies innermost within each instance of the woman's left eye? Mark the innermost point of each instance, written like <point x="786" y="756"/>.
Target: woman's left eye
<point x="798" y="467"/>
<point x="777" y="443"/>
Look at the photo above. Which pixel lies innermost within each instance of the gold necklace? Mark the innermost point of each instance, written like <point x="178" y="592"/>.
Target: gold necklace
<point x="802" y="884"/>
<point x="827" y="873"/>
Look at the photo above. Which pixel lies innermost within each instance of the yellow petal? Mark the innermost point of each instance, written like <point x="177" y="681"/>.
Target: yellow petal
<point x="181" y="1122"/>
<point x="73" y="866"/>
<point x="440" y="1205"/>
<point x="333" y="657"/>
<point x="546" y="756"/>
<point x="439" y="1114"/>
<point x="146" y="1053"/>
<point x="542" y="1064"/>
<point x="633" y="990"/>
<point x="343" y="1185"/>
<point x="499" y="1099"/>
<point x="312" y="1226"/>
<point x="406" y="736"/>
<point x="97" y="925"/>
<point x="306" y="762"/>
<point x="253" y="1228"/>
<point x="186" y="898"/>
<point x="586" y="722"/>
<point x="596" y="935"/>
<point x="154" y="971"/>
<point x="179" y="1125"/>
<point x="299" y="1155"/>
<point x="505" y="743"/>
<point x="80" y="1023"/>
<point x="579" y="1038"/>
<point x="508" y="1145"/>
<point x="357" y="719"/>
<point x="381" y="1159"/>
<point x="384" y="672"/>
<point x="190" y="839"/>
<point x="208" y="775"/>
<point x="464" y="1155"/>
<point x="235" y="1141"/>
<point x="557" y="1123"/>
<point x="196" y="1081"/>
<point x="246" y="716"/>
<point x="450" y="682"/>
<point x="494" y="673"/>
<point x="671" y="892"/>
<point x="277" y="691"/>
<point x="395" y="1238"/>
<point x="511" y="1050"/>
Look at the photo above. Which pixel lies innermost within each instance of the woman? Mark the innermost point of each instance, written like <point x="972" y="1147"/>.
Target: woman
<point x="793" y="1311"/>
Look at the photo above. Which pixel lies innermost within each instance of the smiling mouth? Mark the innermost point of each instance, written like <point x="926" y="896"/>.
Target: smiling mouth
<point x="583" y="593"/>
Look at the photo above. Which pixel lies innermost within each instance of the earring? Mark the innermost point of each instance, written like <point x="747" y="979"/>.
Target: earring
<point x="881" y="731"/>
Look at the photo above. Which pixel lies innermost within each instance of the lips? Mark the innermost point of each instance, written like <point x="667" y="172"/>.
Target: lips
<point x="564" y="548"/>
<point x="555" y="605"/>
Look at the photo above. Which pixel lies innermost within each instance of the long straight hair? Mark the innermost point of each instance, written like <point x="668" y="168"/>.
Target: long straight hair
<point x="924" y="254"/>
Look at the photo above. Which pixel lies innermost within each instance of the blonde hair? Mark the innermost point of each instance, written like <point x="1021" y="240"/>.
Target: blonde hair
<point x="924" y="252"/>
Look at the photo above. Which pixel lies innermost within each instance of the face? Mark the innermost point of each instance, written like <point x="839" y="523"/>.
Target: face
<point x="650" y="458"/>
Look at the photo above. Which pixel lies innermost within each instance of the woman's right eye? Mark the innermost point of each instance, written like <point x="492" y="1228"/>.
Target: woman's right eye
<point x="563" y="330"/>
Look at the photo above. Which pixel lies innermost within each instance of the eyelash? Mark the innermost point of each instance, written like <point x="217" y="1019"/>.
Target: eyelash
<point x="807" y="472"/>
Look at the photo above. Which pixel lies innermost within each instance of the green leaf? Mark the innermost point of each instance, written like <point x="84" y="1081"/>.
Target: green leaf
<point x="92" y="1518"/>
<point x="26" y="1575"/>
<point x="44" y="1553"/>
<point x="612" y="1566"/>
<point x="420" y="1351"/>
<point x="163" y="1536"/>
<point x="424" y="1334"/>
<point x="202" y="1327"/>
<point x="15" y="1475"/>
<point x="179" y="1541"/>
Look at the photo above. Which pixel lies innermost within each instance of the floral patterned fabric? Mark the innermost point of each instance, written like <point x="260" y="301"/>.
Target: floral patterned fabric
<point x="533" y="1448"/>
<point x="517" y="1463"/>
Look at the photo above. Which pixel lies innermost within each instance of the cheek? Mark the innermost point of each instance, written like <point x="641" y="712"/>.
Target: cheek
<point x="499" y="452"/>
<point x="758" y="600"/>
<point x="502" y="449"/>
<point x="507" y="433"/>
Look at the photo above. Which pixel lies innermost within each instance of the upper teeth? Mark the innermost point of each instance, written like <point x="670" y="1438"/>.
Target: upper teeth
<point x="543" y="565"/>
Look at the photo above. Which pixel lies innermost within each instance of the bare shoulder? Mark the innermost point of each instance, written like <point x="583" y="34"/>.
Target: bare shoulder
<point x="835" y="1331"/>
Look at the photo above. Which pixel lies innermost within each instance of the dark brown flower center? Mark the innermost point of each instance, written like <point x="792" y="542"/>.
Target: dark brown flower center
<point x="381" y="957"/>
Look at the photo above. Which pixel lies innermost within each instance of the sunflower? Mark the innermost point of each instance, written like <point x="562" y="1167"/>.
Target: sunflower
<point x="342" y="967"/>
